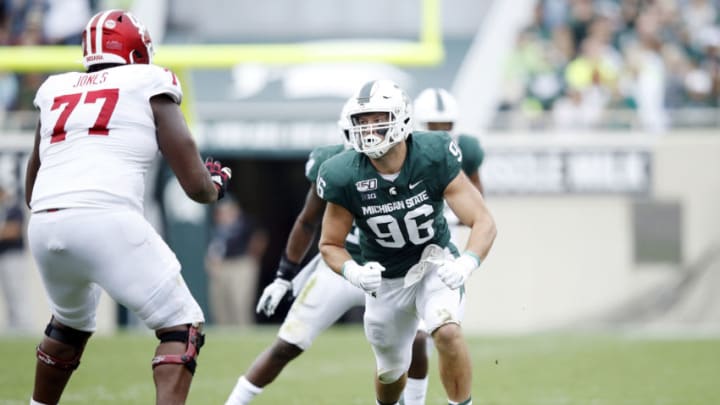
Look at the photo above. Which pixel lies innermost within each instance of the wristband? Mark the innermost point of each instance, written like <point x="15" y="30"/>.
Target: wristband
<point x="286" y="269"/>
<point x="345" y="266"/>
<point x="471" y="259"/>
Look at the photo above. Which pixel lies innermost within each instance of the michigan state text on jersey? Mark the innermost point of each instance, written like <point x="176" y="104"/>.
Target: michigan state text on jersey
<point x="397" y="218"/>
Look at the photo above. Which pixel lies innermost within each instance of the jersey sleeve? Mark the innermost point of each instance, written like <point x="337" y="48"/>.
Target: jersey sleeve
<point x="332" y="182"/>
<point x="312" y="166"/>
<point x="40" y="94"/>
<point x="449" y="162"/>
<point x="472" y="153"/>
<point x="316" y="159"/>
<point x="163" y="81"/>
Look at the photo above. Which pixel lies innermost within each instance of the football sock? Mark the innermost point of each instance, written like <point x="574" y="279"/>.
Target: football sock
<point x="34" y="402"/>
<point x="466" y="402"/>
<point x="383" y="403"/>
<point x="415" y="391"/>
<point x="243" y="392"/>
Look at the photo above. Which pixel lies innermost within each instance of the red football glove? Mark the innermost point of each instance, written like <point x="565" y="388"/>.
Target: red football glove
<point x="220" y="175"/>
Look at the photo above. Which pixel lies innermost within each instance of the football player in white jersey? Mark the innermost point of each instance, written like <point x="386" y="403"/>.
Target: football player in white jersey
<point x="98" y="133"/>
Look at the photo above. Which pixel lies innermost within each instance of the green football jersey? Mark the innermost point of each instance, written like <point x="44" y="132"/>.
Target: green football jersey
<point x="397" y="218"/>
<point x="312" y="167"/>
<point x="317" y="157"/>
<point x="472" y="153"/>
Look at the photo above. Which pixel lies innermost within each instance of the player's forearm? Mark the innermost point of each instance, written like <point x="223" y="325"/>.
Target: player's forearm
<point x="334" y="256"/>
<point x="29" y="185"/>
<point x="482" y="236"/>
<point x="194" y="177"/>
<point x="204" y="193"/>
<point x="300" y="240"/>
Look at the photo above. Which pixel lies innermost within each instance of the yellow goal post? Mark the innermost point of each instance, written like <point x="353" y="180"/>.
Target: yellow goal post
<point x="428" y="50"/>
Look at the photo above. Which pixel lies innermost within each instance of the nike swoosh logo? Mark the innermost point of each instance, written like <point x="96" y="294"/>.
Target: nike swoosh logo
<point x="413" y="185"/>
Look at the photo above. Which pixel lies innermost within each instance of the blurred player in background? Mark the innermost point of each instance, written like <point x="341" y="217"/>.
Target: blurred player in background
<point x="98" y="133"/>
<point x="237" y="245"/>
<point x="393" y="187"/>
<point x="435" y="109"/>
<point x="323" y="296"/>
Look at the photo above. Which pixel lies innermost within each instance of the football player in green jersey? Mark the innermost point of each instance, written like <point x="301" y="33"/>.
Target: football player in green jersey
<point x="435" y="109"/>
<point x="393" y="187"/>
<point x="323" y="296"/>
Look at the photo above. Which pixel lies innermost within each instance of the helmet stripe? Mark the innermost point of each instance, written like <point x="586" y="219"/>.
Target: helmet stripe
<point x="99" y="31"/>
<point x="89" y="44"/>
<point x="439" y="100"/>
<point x="365" y="91"/>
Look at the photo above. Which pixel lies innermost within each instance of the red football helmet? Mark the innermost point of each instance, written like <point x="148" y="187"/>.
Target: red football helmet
<point x="116" y="36"/>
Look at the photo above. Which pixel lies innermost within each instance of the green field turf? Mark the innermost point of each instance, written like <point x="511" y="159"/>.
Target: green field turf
<point x="565" y="369"/>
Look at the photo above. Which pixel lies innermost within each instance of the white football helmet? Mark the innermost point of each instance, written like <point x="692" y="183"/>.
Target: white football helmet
<point x="374" y="140"/>
<point x="434" y="105"/>
<point x="344" y="123"/>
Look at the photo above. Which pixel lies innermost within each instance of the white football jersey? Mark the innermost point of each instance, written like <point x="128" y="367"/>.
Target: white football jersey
<point x="97" y="136"/>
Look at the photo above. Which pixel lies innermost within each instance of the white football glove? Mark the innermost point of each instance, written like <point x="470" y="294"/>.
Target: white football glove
<point x="455" y="272"/>
<point x="272" y="295"/>
<point x="367" y="277"/>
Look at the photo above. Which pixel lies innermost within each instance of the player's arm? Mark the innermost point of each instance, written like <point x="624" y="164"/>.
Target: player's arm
<point x="33" y="166"/>
<point x="180" y="151"/>
<point x="336" y="225"/>
<point x="301" y="236"/>
<point x="468" y="205"/>
<point x="305" y="226"/>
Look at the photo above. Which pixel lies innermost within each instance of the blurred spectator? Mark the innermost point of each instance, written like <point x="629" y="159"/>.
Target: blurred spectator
<point x="8" y="81"/>
<point x="711" y="63"/>
<point x="698" y="86"/>
<point x="595" y="66"/>
<point x="5" y="11"/>
<point x="25" y="28"/>
<point x="578" y="109"/>
<point x="697" y="15"/>
<point x="648" y="72"/>
<point x="651" y="56"/>
<point x="64" y="21"/>
<point x="13" y="264"/>
<point x="580" y="18"/>
<point x="37" y="22"/>
<point x="233" y="264"/>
